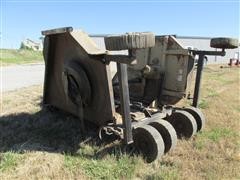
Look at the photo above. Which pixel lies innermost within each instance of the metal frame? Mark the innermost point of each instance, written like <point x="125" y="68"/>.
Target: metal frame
<point x="122" y="61"/>
<point x="200" y="63"/>
<point x="124" y="91"/>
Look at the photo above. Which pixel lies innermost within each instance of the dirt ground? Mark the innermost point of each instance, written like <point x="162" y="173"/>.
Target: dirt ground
<point x="45" y="143"/>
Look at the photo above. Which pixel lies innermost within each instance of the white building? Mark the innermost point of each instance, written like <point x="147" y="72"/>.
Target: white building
<point x="30" y="44"/>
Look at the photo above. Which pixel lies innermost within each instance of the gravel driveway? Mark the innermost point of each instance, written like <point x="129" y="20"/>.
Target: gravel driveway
<point x="14" y="77"/>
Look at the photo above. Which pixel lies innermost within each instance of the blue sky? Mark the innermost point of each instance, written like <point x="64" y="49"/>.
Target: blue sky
<point x="25" y="19"/>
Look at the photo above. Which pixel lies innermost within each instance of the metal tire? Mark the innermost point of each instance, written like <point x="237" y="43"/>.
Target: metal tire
<point x="130" y="41"/>
<point x="148" y="142"/>
<point x="226" y="43"/>
<point x="198" y="116"/>
<point x="184" y="124"/>
<point x="167" y="132"/>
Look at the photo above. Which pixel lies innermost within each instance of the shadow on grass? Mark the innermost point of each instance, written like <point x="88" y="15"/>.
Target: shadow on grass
<point x="51" y="131"/>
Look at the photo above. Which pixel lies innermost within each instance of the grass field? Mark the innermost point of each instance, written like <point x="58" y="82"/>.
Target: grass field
<point x="44" y="144"/>
<point x="14" y="56"/>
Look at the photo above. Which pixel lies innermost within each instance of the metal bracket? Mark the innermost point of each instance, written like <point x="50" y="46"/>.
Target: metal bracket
<point x="57" y="31"/>
<point x="110" y="129"/>
<point x="125" y="59"/>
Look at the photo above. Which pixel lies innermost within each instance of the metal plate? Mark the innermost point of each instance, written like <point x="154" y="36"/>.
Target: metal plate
<point x="62" y="49"/>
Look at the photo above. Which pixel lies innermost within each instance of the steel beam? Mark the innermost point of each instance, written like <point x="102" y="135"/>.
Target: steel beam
<point x="125" y="102"/>
<point x="198" y="80"/>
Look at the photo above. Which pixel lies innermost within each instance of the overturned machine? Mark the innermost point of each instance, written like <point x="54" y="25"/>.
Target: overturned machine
<point x="129" y="95"/>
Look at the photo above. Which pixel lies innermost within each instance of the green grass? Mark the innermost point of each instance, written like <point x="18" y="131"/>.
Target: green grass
<point x="8" y="160"/>
<point x="203" y="104"/>
<point x="237" y="109"/>
<point x="163" y="174"/>
<point x="212" y="92"/>
<point x="13" y="56"/>
<point x="220" y="77"/>
<point x="108" y="168"/>
<point x="215" y="135"/>
<point x="200" y="142"/>
<point x="111" y="166"/>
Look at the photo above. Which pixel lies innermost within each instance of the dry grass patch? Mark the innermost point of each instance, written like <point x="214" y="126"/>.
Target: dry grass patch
<point x="40" y="165"/>
<point x="44" y="144"/>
